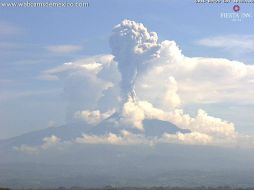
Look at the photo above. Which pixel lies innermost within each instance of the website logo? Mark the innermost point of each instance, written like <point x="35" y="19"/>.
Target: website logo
<point x="236" y="15"/>
<point x="236" y="8"/>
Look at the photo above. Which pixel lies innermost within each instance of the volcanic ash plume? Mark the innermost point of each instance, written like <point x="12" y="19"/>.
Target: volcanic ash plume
<point x="132" y="46"/>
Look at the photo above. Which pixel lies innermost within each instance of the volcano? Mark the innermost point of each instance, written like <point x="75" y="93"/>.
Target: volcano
<point x="71" y="131"/>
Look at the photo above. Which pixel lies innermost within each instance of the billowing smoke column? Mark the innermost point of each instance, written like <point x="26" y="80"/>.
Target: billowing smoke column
<point x="132" y="45"/>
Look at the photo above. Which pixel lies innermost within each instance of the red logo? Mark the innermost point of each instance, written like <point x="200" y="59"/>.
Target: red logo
<point x="236" y="8"/>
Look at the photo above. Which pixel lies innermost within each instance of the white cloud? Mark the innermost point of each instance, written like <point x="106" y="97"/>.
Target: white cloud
<point x="188" y="138"/>
<point x="134" y="112"/>
<point x="240" y="43"/>
<point x="125" y="138"/>
<point x="86" y="81"/>
<point x="93" y="117"/>
<point x="48" y="142"/>
<point x="10" y="95"/>
<point x="197" y="78"/>
<point x="128" y="138"/>
<point x="92" y="65"/>
<point x="105" y="139"/>
<point x="202" y="125"/>
<point x="27" y="149"/>
<point x="8" y="29"/>
<point x="171" y="97"/>
<point x="64" y="49"/>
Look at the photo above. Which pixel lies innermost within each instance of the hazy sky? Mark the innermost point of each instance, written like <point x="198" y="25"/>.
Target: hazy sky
<point x="33" y="41"/>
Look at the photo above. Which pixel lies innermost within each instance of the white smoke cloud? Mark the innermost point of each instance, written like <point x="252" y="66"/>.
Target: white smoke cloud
<point x="132" y="45"/>
<point x="156" y="82"/>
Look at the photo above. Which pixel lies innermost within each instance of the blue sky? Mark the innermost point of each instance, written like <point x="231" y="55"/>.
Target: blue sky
<point x="29" y="103"/>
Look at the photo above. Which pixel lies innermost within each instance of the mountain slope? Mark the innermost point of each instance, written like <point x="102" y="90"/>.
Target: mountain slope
<point x="71" y="131"/>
